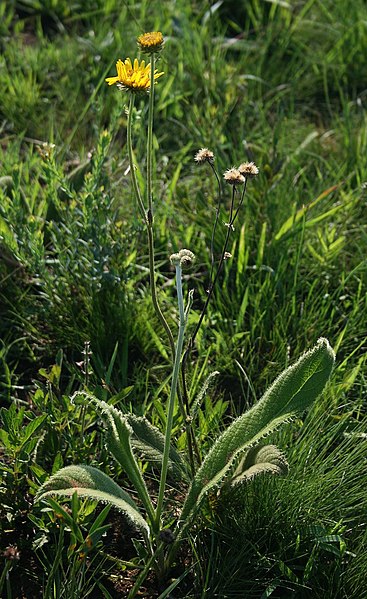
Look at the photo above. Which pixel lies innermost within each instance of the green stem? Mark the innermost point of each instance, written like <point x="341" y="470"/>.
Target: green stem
<point x="232" y="217"/>
<point x="150" y="139"/>
<point x="217" y="210"/>
<point x="153" y="289"/>
<point x="147" y="216"/>
<point x="131" y="160"/>
<point x="175" y="376"/>
<point x="141" y="577"/>
<point x="4" y="576"/>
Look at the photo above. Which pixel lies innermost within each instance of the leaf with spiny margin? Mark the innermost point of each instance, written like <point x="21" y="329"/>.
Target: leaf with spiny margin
<point x="292" y="392"/>
<point x="119" y="444"/>
<point x="199" y="399"/>
<point x="90" y="482"/>
<point x="258" y="460"/>
<point x="149" y="442"/>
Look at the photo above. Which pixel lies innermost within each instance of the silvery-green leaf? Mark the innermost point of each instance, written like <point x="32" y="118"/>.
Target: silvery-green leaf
<point x="88" y="481"/>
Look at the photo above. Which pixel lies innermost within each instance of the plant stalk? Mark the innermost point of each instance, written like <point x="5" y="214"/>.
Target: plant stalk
<point x="150" y="139"/>
<point x="173" y="392"/>
<point x="131" y="160"/>
<point x="232" y="217"/>
<point x="147" y="215"/>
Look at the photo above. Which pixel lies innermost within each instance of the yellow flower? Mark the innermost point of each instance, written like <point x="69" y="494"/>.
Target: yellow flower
<point x="150" y="42"/>
<point x="133" y="77"/>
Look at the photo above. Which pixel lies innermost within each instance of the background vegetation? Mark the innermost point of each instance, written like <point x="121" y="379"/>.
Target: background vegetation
<point x="279" y="83"/>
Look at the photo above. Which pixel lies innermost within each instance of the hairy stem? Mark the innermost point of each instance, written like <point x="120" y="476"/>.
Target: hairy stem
<point x="153" y="289"/>
<point x="173" y="392"/>
<point x="217" y="209"/>
<point x="149" y="215"/>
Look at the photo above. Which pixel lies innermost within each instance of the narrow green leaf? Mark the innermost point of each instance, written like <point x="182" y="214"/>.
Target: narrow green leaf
<point x="75" y="504"/>
<point x="100" y="519"/>
<point x="69" y="519"/>
<point x="97" y="534"/>
<point x="4" y="438"/>
<point x="294" y="219"/>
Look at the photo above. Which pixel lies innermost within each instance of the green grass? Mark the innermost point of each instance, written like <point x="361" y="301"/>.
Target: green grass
<point x="301" y="536"/>
<point x="282" y="84"/>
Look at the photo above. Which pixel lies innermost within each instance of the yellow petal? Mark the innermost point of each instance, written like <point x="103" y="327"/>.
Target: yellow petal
<point x="112" y="80"/>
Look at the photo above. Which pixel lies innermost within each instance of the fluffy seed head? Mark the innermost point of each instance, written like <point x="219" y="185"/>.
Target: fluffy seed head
<point x="248" y="169"/>
<point x="204" y="155"/>
<point x="11" y="553"/>
<point x="234" y="177"/>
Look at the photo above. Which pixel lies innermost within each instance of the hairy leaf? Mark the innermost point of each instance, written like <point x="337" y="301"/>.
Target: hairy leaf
<point x="149" y="442"/>
<point x="292" y="392"/>
<point x="119" y="444"/>
<point x="88" y="481"/>
<point x="199" y="399"/>
<point x="258" y="460"/>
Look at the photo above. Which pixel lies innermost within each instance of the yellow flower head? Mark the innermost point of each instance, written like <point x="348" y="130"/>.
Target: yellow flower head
<point x="133" y="77"/>
<point x="150" y="42"/>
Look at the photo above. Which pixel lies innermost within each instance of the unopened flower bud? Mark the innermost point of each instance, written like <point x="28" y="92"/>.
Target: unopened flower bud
<point x="183" y="258"/>
<point x="151" y="42"/>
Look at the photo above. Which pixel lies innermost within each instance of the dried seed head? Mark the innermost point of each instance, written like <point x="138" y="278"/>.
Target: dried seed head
<point x="234" y="177"/>
<point x="11" y="553"/>
<point x="46" y="150"/>
<point x="187" y="257"/>
<point x="248" y="169"/>
<point x="204" y="155"/>
<point x="174" y="259"/>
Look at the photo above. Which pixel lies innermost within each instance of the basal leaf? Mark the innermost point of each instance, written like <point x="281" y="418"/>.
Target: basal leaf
<point x="149" y="442"/>
<point x="291" y="393"/>
<point x="259" y="460"/>
<point x="88" y="481"/>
